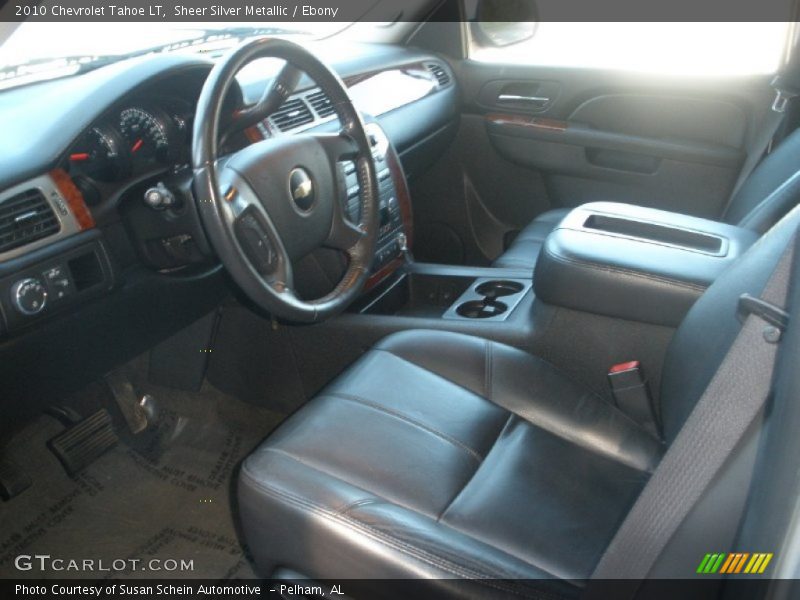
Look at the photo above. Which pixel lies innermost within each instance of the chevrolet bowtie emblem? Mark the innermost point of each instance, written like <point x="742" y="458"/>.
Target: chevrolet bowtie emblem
<point x="302" y="191"/>
<point x="301" y="188"/>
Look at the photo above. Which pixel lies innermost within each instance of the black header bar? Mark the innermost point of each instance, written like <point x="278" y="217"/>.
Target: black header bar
<point x="346" y="11"/>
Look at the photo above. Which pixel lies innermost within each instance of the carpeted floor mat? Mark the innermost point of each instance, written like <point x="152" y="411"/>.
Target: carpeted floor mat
<point x="167" y="500"/>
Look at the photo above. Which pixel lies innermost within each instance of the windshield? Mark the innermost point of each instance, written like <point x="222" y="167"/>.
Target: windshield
<point x="39" y="51"/>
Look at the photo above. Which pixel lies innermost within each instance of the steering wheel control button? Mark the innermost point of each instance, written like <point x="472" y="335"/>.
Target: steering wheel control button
<point x="301" y="188"/>
<point x="159" y="197"/>
<point x="29" y="296"/>
<point x="255" y="242"/>
<point x="58" y="282"/>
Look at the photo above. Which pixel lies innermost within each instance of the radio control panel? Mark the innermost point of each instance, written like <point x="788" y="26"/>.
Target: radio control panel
<point x="390" y="218"/>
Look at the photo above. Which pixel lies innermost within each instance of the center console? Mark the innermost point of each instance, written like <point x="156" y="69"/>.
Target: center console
<point x="611" y="283"/>
<point x="393" y="203"/>
<point x="617" y="260"/>
<point x="634" y="263"/>
<point x="452" y="294"/>
<point x="606" y="259"/>
<point x="479" y="295"/>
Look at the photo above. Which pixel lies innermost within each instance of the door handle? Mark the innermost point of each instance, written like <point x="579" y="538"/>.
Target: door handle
<point x="538" y="101"/>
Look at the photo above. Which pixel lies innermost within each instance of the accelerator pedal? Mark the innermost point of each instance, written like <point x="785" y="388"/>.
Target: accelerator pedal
<point x="84" y="442"/>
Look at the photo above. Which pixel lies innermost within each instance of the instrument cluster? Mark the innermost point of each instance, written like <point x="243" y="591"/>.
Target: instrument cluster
<point x="131" y="141"/>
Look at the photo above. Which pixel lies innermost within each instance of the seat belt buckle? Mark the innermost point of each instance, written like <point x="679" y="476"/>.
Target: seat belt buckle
<point x="782" y="98"/>
<point x="631" y="394"/>
<point x="785" y="89"/>
<point x="774" y="316"/>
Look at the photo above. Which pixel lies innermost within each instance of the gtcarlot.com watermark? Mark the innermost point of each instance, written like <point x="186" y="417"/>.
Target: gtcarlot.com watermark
<point x="45" y="562"/>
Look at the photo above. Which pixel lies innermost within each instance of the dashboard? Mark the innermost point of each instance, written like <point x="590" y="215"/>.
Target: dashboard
<point x="141" y="136"/>
<point x="90" y="271"/>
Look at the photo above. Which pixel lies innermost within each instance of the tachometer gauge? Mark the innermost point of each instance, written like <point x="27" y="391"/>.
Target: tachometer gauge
<point x="147" y="134"/>
<point x="99" y="154"/>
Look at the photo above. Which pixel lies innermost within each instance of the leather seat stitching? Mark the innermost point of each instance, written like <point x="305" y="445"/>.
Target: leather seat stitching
<point x="357" y="504"/>
<point x="322" y="511"/>
<point x="320" y="469"/>
<point x="418" y="553"/>
<point x="398" y="415"/>
<point x="434" y="373"/>
<point x="527" y="420"/>
<point x="302" y="461"/>
<point x="378" y="500"/>
<point x="466" y="484"/>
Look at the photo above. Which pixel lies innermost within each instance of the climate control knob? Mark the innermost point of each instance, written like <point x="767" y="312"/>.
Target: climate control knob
<point x="29" y="296"/>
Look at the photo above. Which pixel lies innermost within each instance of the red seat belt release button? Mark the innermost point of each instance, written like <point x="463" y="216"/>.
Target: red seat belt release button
<point x="625" y="366"/>
<point x="632" y="394"/>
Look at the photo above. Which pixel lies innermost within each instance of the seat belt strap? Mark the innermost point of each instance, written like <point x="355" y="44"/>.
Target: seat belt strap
<point x="761" y="145"/>
<point x="732" y="400"/>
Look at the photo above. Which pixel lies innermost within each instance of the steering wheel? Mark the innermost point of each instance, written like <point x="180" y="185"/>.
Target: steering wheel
<point x="277" y="200"/>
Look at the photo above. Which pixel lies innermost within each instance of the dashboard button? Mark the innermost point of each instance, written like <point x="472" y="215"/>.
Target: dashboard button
<point x="58" y="282"/>
<point x="255" y="242"/>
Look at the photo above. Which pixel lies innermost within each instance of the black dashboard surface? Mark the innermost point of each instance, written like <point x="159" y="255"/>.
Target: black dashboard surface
<point x="41" y="121"/>
<point x="130" y="307"/>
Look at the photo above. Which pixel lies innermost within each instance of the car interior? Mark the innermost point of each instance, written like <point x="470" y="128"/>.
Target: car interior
<point x="373" y="309"/>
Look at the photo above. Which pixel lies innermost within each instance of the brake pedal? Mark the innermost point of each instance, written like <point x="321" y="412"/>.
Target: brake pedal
<point x="133" y="408"/>
<point x="13" y="480"/>
<point x="83" y="443"/>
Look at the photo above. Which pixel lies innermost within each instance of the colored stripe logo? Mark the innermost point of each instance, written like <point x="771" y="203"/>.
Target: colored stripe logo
<point x="731" y="563"/>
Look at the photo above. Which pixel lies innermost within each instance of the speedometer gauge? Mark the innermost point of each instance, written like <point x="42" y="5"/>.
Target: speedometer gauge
<point x="99" y="154"/>
<point x="147" y="134"/>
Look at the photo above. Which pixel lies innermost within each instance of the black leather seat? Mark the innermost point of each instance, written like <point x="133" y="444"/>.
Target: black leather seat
<point x="771" y="191"/>
<point x="439" y="455"/>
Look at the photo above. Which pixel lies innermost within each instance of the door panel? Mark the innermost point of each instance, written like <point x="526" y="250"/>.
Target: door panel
<point x="583" y="164"/>
<point x="670" y="143"/>
<point x="524" y="95"/>
<point x="678" y="117"/>
<point x="676" y="144"/>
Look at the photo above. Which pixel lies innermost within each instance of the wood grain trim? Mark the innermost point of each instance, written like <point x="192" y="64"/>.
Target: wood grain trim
<point x="74" y="198"/>
<point x="253" y="134"/>
<point x="403" y="193"/>
<point x="523" y="121"/>
<point x="412" y="66"/>
<point x="385" y="271"/>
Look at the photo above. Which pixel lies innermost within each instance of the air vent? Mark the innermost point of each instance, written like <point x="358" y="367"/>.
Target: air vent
<point x="25" y="218"/>
<point x="292" y="114"/>
<point x="321" y="104"/>
<point x="441" y="74"/>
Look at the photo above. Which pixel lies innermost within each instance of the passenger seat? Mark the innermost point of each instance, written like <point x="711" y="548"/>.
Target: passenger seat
<point x="769" y="193"/>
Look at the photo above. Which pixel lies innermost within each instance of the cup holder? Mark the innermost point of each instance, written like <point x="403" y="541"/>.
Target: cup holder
<point x="497" y="289"/>
<point x="481" y="309"/>
<point x="489" y="299"/>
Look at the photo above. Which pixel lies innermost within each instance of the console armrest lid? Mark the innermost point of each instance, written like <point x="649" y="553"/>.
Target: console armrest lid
<point x="634" y="263"/>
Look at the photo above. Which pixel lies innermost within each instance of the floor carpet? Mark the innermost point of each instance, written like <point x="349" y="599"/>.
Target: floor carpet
<point x="170" y="498"/>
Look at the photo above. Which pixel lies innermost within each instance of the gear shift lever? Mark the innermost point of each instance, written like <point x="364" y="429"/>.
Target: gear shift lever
<point x="402" y="245"/>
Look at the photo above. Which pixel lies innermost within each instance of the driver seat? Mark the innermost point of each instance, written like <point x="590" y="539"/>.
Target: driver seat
<point x="444" y="456"/>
